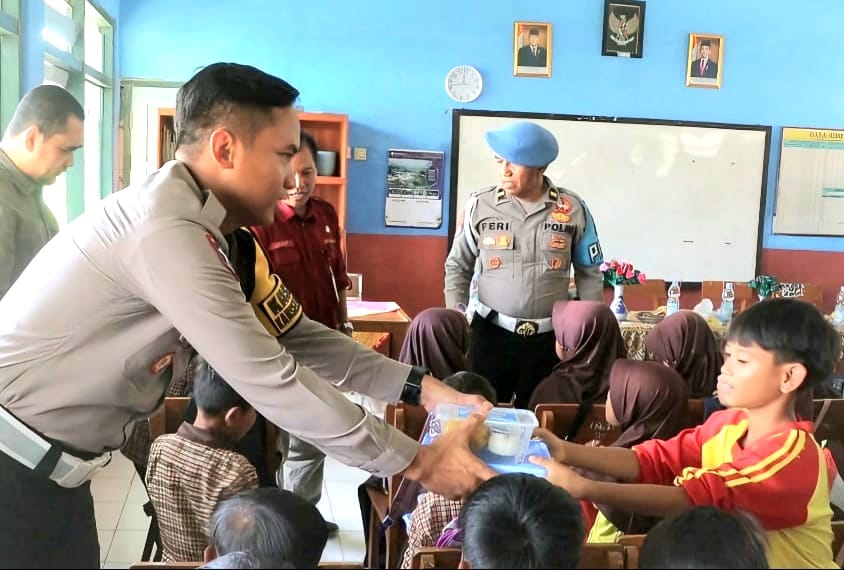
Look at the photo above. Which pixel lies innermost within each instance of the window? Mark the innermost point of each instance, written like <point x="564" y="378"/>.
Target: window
<point x="9" y="60"/>
<point x="79" y="55"/>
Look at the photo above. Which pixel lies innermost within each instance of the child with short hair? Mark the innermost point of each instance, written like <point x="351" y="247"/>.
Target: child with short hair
<point x="705" y="537"/>
<point x="192" y="470"/>
<point x="756" y="455"/>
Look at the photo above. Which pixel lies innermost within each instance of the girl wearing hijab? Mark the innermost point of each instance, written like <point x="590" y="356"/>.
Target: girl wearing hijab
<point x="588" y="342"/>
<point x="685" y="342"/>
<point x="646" y="400"/>
<point x="437" y="339"/>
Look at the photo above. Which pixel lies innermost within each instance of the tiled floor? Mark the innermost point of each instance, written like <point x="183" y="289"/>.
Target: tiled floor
<point x="119" y="497"/>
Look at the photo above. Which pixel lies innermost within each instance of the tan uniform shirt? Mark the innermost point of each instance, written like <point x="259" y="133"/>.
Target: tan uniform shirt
<point x="88" y="330"/>
<point x="26" y="223"/>
<point x="525" y="258"/>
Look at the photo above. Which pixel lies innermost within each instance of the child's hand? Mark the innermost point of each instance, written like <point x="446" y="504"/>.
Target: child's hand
<point x="556" y="446"/>
<point x="561" y="475"/>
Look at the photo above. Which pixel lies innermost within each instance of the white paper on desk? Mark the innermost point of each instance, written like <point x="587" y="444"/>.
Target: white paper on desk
<point x="363" y="308"/>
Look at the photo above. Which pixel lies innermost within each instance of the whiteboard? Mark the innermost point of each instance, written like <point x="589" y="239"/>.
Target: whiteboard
<point x="810" y="186"/>
<point x="679" y="200"/>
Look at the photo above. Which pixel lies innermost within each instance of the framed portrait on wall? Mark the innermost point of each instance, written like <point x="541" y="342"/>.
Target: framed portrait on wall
<point x="705" y="63"/>
<point x="624" y="28"/>
<point x="532" y="49"/>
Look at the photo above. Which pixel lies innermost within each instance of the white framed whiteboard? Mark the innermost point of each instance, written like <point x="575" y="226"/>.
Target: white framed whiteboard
<point x="680" y="200"/>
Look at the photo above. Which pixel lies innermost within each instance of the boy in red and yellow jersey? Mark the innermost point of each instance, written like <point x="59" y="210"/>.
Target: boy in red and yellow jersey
<point x="755" y="456"/>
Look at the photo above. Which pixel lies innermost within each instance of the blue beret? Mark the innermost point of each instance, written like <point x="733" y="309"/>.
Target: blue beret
<point x="524" y="143"/>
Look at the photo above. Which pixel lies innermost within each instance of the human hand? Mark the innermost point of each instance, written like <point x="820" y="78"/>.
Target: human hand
<point x="561" y="475"/>
<point x="435" y="392"/>
<point x="556" y="446"/>
<point x="447" y="466"/>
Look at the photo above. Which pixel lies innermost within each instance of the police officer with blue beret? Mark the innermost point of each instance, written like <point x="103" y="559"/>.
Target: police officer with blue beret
<point x="522" y="236"/>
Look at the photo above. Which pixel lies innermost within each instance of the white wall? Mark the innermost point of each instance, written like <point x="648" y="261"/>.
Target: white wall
<point x="143" y="118"/>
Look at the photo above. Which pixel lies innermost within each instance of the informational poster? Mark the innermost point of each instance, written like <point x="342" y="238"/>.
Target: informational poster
<point x="810" y="189"/>
<point x="414" y="188"/>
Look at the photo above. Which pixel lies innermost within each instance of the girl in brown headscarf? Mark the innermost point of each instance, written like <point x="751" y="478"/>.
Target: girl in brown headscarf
<point x="685" y="342"/>
<point x="437" y="339"/>
<point x="588" y="342"/>
<point x="646" y="400"/>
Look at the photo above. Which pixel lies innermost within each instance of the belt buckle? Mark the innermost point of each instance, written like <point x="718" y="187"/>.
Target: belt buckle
<point x="526" y="328"/>
<point x="81" y="470"/>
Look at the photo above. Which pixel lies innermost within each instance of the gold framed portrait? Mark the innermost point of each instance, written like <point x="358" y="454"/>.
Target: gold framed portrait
<point x="532" y="49"/>
<point x="705" y="64"/>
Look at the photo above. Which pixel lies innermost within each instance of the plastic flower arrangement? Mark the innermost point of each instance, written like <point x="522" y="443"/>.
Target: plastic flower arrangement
<point x="765" y="285"/>
<point x="621" y="273"/>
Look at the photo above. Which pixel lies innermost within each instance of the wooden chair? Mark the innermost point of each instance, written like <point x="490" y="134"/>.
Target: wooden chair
<point x="745" y="296"/>
<point x="648" y="296"/>
<point x="166" y="419"/>
<point x="559" y="419"/>
<point x="632" y="544"/>
<point x="411" y="421"/>
<point x="591" y="556"/>
<point x="184" y="565"/>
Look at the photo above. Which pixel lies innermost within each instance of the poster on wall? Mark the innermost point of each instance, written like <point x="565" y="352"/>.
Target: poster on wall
<point x="414" y="188"/>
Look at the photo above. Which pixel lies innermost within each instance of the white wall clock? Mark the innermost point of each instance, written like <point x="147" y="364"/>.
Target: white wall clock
<point x="464" y="83"/>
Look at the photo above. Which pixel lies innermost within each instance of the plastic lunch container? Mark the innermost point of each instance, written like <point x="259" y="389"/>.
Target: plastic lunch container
<point x="509" y="442"/>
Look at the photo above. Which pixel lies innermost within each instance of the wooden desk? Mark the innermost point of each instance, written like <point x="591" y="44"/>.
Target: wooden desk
<point x="377" y="341"/>
<point x="394" y="322"/>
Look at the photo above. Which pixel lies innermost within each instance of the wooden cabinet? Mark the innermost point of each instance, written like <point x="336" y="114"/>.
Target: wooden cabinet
<point x="331" y="132"/>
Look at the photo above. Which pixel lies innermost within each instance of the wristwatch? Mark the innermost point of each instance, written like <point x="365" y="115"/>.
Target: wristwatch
<point x="347" y="326"/>
<point x="412" y="391"/>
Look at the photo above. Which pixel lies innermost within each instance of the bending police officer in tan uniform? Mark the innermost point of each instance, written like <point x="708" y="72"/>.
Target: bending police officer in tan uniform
<point x="37" y="147"/>
<point x="91" y="326"/>
<point x="527" y="233"/>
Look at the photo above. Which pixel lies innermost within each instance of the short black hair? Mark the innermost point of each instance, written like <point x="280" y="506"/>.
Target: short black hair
<point x="795" y="331"/>
<point x="471" y="383"/>
<point x="533" y="32"/>
<point x="239" y="96"/>
<point x="47" y="107"/>
<point x="212" y="394"/>
<point x="705" y="537"/>
<point x="308" y="142"/>
<point x="271" y="524"/>
<point x="521" y="521"/>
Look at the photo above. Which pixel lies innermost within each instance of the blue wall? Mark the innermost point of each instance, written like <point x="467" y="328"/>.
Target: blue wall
<point x="384" y="62"/>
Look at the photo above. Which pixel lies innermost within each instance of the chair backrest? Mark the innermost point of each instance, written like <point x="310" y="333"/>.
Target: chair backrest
<point x="429" y="557"/>
<point x="559" y="419"/>
<point x="647" y="296"/>
<point x="694" y="412"/>
<point x="593" y="555"/>
<point x="744" y="294"/>
<point x="168" y="417"/>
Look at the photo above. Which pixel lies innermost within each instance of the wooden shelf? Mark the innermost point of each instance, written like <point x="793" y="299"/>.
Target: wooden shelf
<point x="330" y="180"/>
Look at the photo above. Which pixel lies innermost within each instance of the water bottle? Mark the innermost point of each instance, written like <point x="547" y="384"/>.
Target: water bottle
<point x="728" y="297"/>
<point x="673" y="304"/>
<point x="838" y="313"/>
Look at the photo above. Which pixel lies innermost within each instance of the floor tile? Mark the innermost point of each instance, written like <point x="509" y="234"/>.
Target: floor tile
<point x="110" y="488"/>
<point x="127" y="546"/>
<point x="333" y="551"/>
<point x="119" y="466"/>
<point x="133" y="517"/>
<point x="107" y="514"/>
<point x="104" y="537"/>
<point x="137" y="493"/>
<point x="354" y="547"/>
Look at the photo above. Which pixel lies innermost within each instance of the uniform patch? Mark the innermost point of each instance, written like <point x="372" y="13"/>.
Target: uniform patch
<point x="494" y="262"/>
<point x="279" y="311"/>
<point x="595" y="253"/>
<point x="558" y="242"/>
<point x="220" y="255"/>
<point x="560" y="215"/>
<point x="566" y="205"/>
<point x="555" y="263"/>
<point x="502" y="240"/>
<point x="161" y="363"/>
